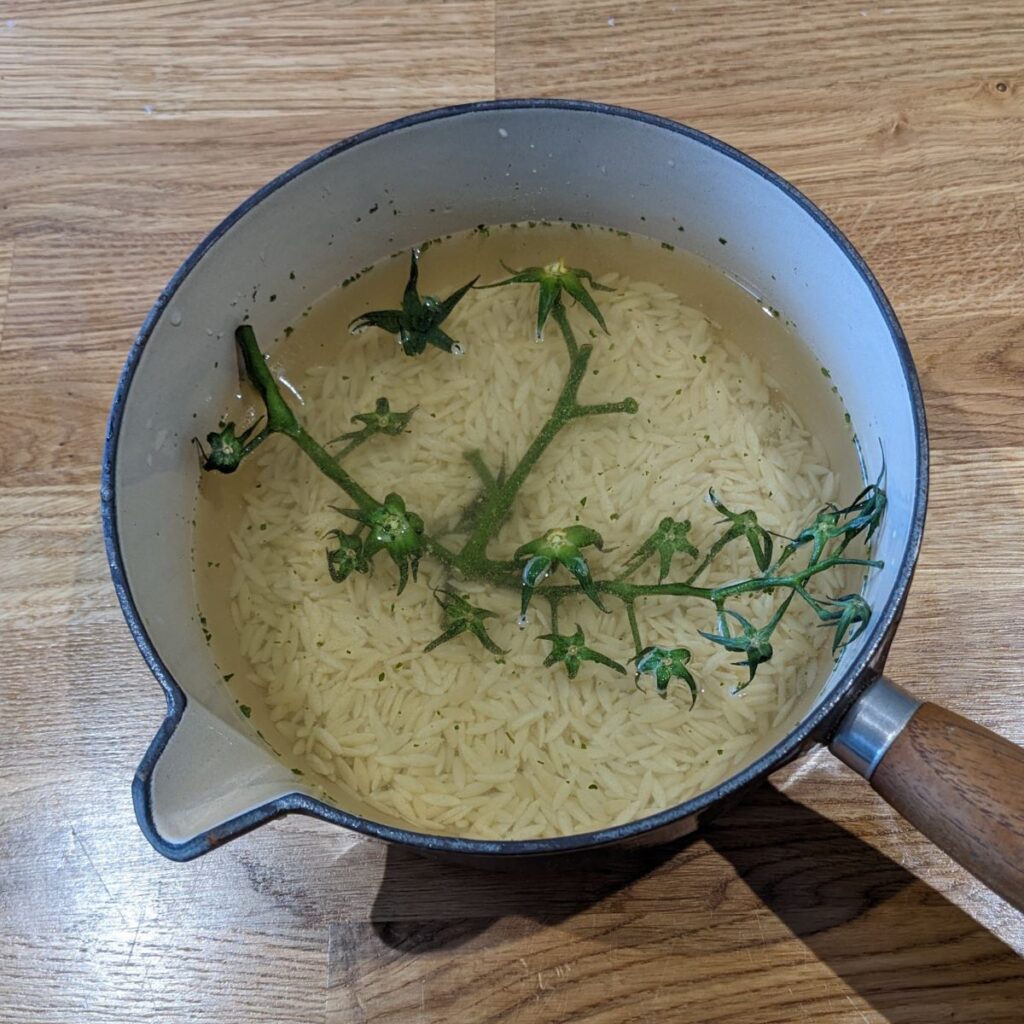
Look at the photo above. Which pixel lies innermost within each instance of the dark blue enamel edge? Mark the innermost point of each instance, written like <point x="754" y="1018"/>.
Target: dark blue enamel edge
<point x="810" y="728"/>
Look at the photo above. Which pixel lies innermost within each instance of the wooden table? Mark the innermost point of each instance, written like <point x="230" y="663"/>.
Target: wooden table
<point x="128" y="129"/>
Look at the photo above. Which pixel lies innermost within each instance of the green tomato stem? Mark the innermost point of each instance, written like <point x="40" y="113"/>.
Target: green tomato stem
<point x="476" y="460"/>
<point x="634" y="628"/>
<point x="627" y="405"/>
<point x="627" y="592"/>
<point x="281" y="419"/>
<point x="327" y="465"/>
<point x="499" y="493"/>
<point x="567" y="408"/>
<point x="255" y="442"/>
<point x="350" y="447"/>
<point x="562" y="319"/>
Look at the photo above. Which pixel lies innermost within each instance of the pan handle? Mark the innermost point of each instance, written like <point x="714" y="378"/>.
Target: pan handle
<point x="955" y="781"/>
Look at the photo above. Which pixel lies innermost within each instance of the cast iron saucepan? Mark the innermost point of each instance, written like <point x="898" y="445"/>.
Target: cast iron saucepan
<point x="206" y="777"/>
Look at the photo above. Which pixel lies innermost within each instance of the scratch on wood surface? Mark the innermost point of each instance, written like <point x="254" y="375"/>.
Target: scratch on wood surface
<point x="863" y="1015"/>
<point x="85" y="850"/>
<point x="760" y="926"/>
<point x="135" y="939"/>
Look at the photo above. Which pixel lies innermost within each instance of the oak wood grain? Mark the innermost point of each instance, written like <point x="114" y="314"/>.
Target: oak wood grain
<point x="127" y="130"/>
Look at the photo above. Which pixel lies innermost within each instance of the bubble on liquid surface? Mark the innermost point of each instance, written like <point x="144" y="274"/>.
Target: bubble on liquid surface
<point x="175" y="318"/>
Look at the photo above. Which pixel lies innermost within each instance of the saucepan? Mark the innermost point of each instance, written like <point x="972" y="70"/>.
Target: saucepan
<point x="206" y="776"/>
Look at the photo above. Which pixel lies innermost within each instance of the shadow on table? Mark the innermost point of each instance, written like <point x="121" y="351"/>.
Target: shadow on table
<point x="902" y="946"/>
<point x="890" y="937"/>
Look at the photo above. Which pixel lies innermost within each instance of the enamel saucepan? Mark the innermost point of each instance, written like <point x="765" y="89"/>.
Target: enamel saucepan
<point x="206" y="776"/>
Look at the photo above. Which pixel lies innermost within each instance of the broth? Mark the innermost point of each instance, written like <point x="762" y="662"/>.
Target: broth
<point x="458" y="740"/>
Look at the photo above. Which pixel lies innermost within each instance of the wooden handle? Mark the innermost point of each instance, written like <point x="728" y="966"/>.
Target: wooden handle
<point x="962" y="786"/>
